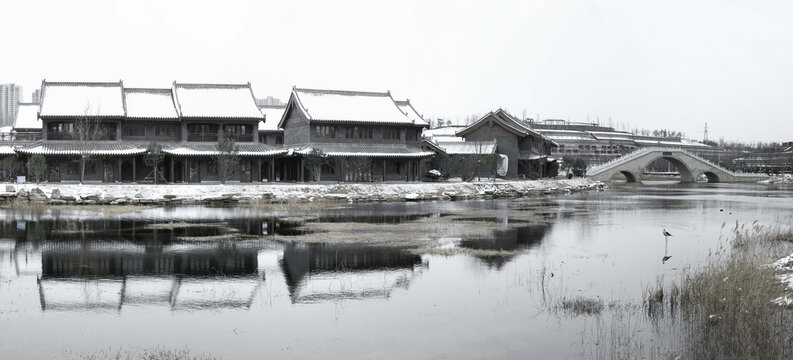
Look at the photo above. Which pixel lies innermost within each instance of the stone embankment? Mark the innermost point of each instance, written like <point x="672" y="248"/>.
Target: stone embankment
<point x="242" y="194"/>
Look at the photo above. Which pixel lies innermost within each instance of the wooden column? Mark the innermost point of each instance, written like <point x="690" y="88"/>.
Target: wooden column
<point x="272" y="170"/>
<point x="171" y="172"/>
<point x="134" y="166"/>
<point x="119" y="169"/>
<point x="301" y="170"/>
<point x="259" y="170"/>
<point x="383" y="179"/>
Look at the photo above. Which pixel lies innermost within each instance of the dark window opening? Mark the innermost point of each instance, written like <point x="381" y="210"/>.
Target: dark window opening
<point x="212" y="168"/>
<point x="411" y="134"/>
<point x="165" y="131"/>
<point x="392" y="167"/>
<point x="358" y="133"/>
<point x="73" y="167"/>
<point x="391" y="134"/>
<point x="324" y="132"/>
<point x="202" y="132"/>
<point x="134" y="130"/>
<point x="239" y="132"/>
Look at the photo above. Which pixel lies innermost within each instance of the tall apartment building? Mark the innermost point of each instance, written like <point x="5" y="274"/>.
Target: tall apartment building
<point x="269" y="101"/>
<point x="10" y="97"/>
<point x="36" y="96"/>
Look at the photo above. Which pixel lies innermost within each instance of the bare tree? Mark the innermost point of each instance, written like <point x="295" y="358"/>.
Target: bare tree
<point x="355" y="168"/>
<point x="154" y="157"/>
<point x="8" y="168"/>
<point x="446" y="164"/>
<point x="227" y="157"/>
<point x="36" y="166"/>
<point x="486" y="161"/>
<point x="314" y="161"/>
<point x="86" y="131"/>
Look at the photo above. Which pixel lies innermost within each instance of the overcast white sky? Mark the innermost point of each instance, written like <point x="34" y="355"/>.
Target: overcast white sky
<point x="654" y="64"/>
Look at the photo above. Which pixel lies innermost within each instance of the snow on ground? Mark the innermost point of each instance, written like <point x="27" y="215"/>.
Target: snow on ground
<point x="309" y="191"/>
<point x="778" y="179"/>
<point x="784" y="264"/>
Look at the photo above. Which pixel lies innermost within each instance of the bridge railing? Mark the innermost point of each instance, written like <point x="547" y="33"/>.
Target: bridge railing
<point x="733" y="173"/>
<point x="597" y="169"/>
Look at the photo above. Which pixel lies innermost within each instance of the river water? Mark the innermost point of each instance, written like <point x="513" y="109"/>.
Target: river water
<point x="76" y="282"/>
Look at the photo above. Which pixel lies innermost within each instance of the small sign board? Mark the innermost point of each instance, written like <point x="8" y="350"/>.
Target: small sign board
<point x="20" y="179"/>
<point x="667" y="153"/>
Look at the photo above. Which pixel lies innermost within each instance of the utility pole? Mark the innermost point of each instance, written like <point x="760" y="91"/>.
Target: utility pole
<point x="705" y="139"/>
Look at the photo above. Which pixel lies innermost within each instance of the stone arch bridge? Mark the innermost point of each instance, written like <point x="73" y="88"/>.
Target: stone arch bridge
<point x="689" y="165"/>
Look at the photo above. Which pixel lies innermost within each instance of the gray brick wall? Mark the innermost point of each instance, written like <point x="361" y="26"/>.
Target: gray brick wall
<point x="507" y="144"/>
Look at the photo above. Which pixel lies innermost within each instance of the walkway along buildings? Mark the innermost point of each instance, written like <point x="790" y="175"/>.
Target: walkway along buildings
<point x="101" y="131"/>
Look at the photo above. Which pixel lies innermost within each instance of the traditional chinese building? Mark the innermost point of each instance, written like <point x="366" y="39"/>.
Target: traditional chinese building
<point x="527" y="151"/>
<point x="269" y="132"/>
<point x="209" y="111"/>
<point x="27" y="125"/>
<point x="366" y="136"/>
<point x="109" y="128"/>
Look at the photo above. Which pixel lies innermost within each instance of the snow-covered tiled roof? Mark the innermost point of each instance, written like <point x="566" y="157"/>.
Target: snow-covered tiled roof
<point x="443" y="131"/>
<point x="244" y="149"/>
<point x="669" y="142"/>
<point x="368" y="150"/>
<point x="233" y="101"/>
<point x="610" y="133"/>
<point x="349" y="106"/>
<point x="443" y="134"/>
<point x="445" y="138"/>
<point x="272" y="116"/>
<point x="468" y="147"/>
<point x="150" y="104"/>
<point x="569" y="137"/>
<point x="529" y="155"/>
<point x="692" y="143"/>
<point x="27" y="117"/>
<point x="74" y="99"/>
<point x="505" y="120"/>
<point x="70" y="148"/>
<point x="7" y="150"/>
<point x="6" y="129"/>
<point x="411" y="112"/>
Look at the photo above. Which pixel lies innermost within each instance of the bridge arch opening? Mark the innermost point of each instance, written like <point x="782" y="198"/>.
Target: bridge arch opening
<point x="666" y="167"/>
<point x="623" y="176"/>
<point x="708" y="177"/>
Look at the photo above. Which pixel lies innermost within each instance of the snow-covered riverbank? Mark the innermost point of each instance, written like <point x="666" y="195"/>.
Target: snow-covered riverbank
<point x="778" y="179"/>
<point x="246" y="193"/>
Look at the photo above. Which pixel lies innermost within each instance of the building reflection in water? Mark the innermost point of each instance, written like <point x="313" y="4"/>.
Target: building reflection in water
<point x="111" y="274"/>
<point x="321" y="272"/>
<point x="524" y="237"/>
<point x="109" y="264"/>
